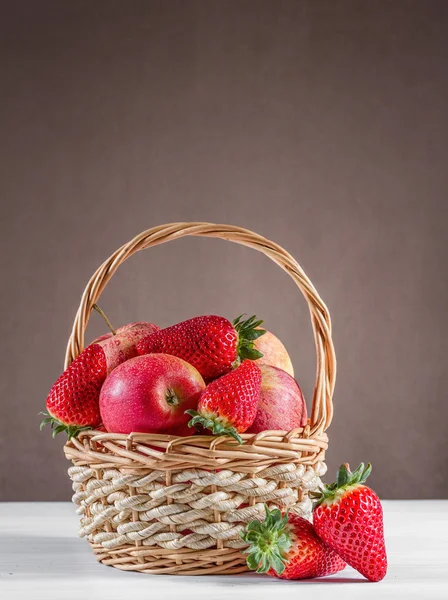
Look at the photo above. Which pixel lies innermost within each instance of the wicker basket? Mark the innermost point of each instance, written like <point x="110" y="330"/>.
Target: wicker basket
<point x="165" y="504"/>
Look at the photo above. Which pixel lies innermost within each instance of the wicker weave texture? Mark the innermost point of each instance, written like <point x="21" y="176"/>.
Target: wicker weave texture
<point x="165" y="504"/>
<point x="184" y="520"/>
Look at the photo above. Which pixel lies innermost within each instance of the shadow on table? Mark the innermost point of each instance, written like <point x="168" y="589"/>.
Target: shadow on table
<point x="61" y="557"/>
<point x="255" y="579"/>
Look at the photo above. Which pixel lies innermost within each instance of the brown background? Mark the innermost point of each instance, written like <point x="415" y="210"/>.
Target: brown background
<point x="319" y="124"/>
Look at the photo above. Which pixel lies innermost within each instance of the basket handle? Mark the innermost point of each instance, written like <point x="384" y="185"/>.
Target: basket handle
<point x="322" y="409"/>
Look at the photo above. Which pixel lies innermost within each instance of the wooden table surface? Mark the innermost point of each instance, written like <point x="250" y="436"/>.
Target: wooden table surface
<point x="42" y="557"/>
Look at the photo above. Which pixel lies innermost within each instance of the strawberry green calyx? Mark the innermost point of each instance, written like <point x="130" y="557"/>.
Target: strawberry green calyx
<point x="216" y="425"/>
<point x="269" y="542"/>
<point x="58" y="427"/>
<point x="345" y="479"/>
<point x="247" y="334"/>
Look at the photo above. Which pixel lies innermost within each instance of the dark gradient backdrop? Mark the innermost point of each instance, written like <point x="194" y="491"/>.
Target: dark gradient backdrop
<point x="320" y="124"/>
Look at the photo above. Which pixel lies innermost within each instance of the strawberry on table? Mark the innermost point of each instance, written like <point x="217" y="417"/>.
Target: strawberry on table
<point x="210" y="343"/>
<point x="228" y="405"/>
<point x="73" y="401"/>
<point x="287" y="547"/>
<point x="348" y="516"/>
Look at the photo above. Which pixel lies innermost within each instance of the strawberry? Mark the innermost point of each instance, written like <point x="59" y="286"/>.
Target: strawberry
<point x="287" y="547"/>
<point x="212" y="344"/>
<point x="228" y="405"/>
<point x="73" y="401"/>
<point x="348" y="516"/>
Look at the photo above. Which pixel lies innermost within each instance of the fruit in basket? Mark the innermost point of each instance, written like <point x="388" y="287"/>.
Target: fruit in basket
<point x="274" y="353"/>
<point x="150" y="394"/>
<point x="210" y="343"/>
<point x="121" y="344"/>
<point x="73" y="401"/>
<point x="287" y="547"/>
<point x="72" y="404"/>
<point x="348" y="516"/>
<point x="228" y="405"/>
<point x="281" y="405"/>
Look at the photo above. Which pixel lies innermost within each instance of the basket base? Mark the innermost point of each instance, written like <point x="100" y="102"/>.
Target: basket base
<point x="157" y="561"/>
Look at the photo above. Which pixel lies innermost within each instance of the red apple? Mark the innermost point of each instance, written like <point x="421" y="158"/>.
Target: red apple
<point x="274" y="353"/>
<point x="121" y="345"/>
<point x="150" y="394"/>
<point x="281" y="405"/>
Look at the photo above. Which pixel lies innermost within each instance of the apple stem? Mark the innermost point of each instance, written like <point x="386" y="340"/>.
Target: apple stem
<point x="108" y="323"/>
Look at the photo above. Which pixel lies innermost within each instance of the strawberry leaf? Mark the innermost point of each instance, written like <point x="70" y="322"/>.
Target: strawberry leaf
<point x="345" y="478"/>
<point x="254" y="334"/>
<point x="58" y="427"/>
<point x="250" y="353"/>
<point x="269" y="542"/>
<point x="248" y="331"/>
<point x="253" y="560"/>
<point x="214" y="424"/>
<point x="277" y="562"/>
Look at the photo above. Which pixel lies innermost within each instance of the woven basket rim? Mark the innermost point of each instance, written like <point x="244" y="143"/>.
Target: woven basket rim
<point x="173" y="453"/>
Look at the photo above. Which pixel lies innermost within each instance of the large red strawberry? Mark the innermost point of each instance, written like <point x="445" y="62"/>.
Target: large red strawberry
<point x="286" y="546"/>
<point x="73" y="401"/>
<point x="348" y="516"/>
<point x="212" y="344"/>
<point x="228" y="405"/>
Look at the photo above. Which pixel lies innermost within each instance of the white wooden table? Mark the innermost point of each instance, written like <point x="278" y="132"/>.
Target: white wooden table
<point x="41" y="557"/>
